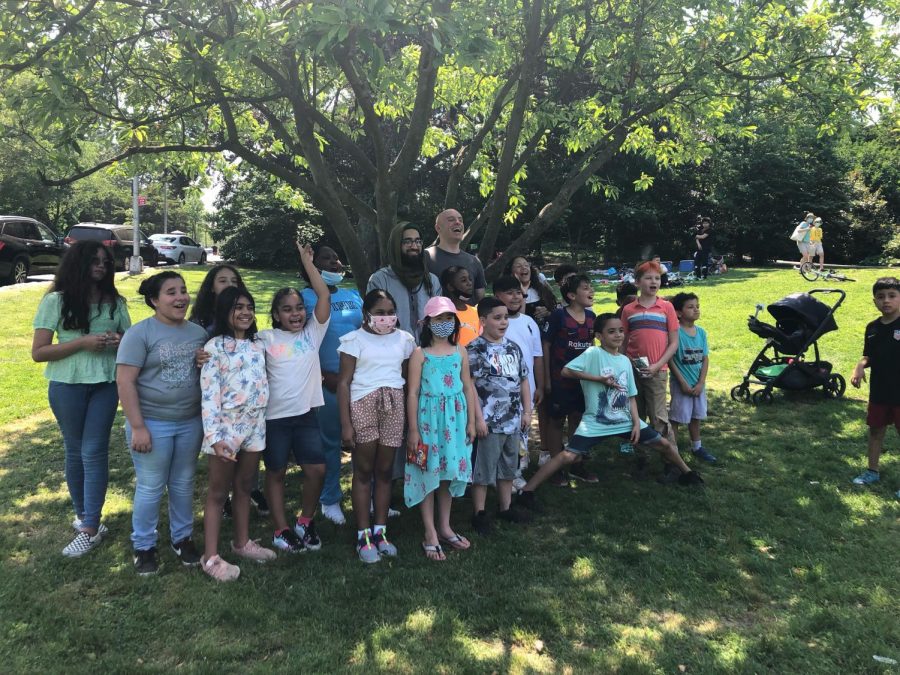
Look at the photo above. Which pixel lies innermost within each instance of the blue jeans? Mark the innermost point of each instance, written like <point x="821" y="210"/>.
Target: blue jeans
<point x="330" y="429"/>
<point x="85" y="414"/>
<point x="170" y="464"/>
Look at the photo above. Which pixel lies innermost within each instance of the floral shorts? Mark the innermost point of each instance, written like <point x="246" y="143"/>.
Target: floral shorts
<point x="379" y="416"/>
<point x="243" y="432"/>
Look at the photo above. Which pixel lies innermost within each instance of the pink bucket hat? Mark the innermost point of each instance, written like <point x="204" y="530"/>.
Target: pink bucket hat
<point x="439" y="305"/>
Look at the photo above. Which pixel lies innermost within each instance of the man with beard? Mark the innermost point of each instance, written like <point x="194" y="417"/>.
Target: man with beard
<point x="406" y="277"/>
<point x="450" y="230"/>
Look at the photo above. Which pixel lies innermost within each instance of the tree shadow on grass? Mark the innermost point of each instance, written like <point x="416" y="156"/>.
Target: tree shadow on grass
<point x="622" y="576"/>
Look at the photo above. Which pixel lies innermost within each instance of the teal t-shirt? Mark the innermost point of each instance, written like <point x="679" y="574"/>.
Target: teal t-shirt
<point x="82" y="367"/>
<point x="689" y="357"/>
<point x="607" y="410"/>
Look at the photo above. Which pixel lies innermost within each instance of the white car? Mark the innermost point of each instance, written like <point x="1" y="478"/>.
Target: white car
<point x="178" y="248"/>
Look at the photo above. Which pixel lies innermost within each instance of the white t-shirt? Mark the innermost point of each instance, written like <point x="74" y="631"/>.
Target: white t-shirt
<point x="292" y="368"/>
<point x="524" y="332"/>
<point x="379" y="359"/>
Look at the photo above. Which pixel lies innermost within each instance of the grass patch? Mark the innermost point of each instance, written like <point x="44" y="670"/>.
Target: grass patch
<point x="780" y="565"/>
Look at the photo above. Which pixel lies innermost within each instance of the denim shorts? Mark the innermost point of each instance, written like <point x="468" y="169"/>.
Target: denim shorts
<point x="296" y="437"/>
<point x="581" y="445"/>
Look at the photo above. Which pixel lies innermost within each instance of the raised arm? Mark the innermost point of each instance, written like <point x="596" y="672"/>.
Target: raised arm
<point x="323" y="295"/>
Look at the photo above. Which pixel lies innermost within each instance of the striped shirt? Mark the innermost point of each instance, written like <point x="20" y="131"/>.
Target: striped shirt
<point x="647" y="329"/>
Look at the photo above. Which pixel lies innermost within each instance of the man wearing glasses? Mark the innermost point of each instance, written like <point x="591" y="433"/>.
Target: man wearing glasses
<point x="450" y="230"/>
<point x="406" y="277"/>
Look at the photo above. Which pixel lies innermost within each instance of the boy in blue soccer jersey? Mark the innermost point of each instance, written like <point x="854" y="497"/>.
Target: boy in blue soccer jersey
<point x="687" y="379"/>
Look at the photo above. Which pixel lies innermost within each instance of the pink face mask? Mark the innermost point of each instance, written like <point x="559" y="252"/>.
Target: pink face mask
<point x="383" y="324"/>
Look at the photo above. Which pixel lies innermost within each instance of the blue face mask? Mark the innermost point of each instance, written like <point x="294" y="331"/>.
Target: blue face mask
<point x="332" y="278"/>
<point x="443" y="329"/>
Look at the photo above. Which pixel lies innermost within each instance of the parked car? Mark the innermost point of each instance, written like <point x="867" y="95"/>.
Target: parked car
<point x="27" y="247"/>
<point x="118" y="238"/>
<point x="178" y="248"/>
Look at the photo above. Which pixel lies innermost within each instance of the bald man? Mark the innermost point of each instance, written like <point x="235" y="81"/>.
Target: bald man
<point x="450" y="231"/>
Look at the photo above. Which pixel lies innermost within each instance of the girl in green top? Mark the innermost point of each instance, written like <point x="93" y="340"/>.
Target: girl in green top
<point x="88" y="316"/>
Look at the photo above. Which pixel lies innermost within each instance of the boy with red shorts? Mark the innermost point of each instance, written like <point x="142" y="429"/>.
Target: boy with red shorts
<point x="881" y="354"/>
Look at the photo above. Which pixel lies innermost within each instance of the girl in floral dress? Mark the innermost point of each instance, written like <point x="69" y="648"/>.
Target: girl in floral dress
<point x="441" y="416"/>
<point x="233" y="402"/>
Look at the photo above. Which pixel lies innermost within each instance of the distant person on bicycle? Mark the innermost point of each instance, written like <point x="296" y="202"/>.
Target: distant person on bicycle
<point x="814" y="247"/>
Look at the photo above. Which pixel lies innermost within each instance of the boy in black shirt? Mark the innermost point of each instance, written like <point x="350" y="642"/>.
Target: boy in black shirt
<point x="881" y="353"/>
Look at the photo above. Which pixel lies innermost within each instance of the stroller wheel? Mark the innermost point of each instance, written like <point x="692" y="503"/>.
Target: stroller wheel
<point x="740" y="393"/>
<point x="762" y="396"/>
<point x="835" y="386"/>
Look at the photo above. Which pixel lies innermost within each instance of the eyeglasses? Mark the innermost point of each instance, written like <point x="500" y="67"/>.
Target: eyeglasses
<point x="407" y="241"/>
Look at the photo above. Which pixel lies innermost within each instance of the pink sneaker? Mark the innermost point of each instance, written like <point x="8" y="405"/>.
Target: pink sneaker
<point x="220" y="570"/>
<point x="253" y="551"/>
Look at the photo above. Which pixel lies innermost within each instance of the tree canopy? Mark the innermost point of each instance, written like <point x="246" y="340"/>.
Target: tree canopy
<point x="358" y="104"/>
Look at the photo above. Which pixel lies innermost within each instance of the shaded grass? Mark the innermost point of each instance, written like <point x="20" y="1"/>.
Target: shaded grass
<point x="780" y="565"/>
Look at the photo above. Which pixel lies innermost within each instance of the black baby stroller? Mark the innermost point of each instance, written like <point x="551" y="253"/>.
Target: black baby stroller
<point x="800" y="320"/>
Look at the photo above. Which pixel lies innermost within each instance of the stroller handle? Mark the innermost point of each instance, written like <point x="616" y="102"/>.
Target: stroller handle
<point x="840" y="293"/>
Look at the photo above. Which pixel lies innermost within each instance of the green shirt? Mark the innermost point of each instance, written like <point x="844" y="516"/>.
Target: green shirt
<point x="82" y="367"/>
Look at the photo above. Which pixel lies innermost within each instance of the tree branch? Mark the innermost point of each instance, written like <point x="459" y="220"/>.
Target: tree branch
<point x="131" y="152"/>
<point x="429" y="61"/>
<point x="46" y="47"/>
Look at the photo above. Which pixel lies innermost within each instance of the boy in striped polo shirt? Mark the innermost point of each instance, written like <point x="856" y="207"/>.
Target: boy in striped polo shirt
<point x="651" y="339"/>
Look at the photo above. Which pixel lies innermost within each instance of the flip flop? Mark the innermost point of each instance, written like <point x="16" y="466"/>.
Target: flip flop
<point x="434" y="550"/>
<point x="456" y="542"/>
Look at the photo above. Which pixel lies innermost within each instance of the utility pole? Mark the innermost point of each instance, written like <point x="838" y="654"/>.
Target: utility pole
<point x="135" y="267"/>
<point x="165" y="204"/>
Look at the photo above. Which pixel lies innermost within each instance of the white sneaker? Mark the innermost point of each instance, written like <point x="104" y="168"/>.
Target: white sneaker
<point x="333" y="513"/>
<point x="543" y="458"/>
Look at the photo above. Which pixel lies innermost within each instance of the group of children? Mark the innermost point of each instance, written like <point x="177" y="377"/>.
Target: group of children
<point x="458" y="398"/>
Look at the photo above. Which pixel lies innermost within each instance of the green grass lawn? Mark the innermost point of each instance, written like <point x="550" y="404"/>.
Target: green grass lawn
<point x="780" y="565"/>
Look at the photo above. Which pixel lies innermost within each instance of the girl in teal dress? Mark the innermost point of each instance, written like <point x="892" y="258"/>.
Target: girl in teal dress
<point x="441" y="416"/>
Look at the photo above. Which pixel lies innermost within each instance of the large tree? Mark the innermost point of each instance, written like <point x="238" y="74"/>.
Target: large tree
<point x="350" y="101"/>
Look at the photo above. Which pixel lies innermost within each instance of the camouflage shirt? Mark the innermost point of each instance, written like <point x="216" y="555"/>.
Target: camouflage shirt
<point x="498" y="370"/>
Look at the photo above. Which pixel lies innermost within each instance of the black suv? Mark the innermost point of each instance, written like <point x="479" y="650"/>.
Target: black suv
<point x="27" y="247"/>
<point x="118" y="238"/>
